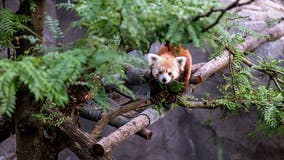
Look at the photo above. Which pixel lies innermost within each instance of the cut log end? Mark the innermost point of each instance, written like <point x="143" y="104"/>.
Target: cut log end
<point x="145" y="133"/>
<point x="196" y="79"/>
<point x="99" y="150"/>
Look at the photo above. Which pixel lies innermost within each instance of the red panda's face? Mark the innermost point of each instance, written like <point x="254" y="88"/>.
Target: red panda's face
<point x="166" y="68"/>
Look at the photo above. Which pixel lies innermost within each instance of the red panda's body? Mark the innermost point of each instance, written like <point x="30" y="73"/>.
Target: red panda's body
<point x="169" y="64"/>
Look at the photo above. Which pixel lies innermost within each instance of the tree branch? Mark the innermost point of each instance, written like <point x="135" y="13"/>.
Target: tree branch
<point x="81" y="143"/>
<point x="271" y="76"/>
<point x="250" y="44"/>
<point x="116" y="112"/>
<point x="107" y="143"/>
<point x="96" y="115"/>
<point x="223" y="11"/>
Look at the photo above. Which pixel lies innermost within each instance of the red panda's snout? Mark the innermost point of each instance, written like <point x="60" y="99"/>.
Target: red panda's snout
<point x="165" y="78"/>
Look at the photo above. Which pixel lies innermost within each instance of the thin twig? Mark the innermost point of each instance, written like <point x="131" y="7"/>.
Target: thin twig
<point x="205" y="14"/>
<point x="271" y="75"/>
<point x="276" y="83"/>
<point x="223" y="11"/>
<point x="232" y="74"/>
<point x="276" y="80"/>
<point x="197" y="104"/>
<point x="268" y="83"/>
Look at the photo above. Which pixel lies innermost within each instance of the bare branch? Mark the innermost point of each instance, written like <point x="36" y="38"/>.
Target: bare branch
<point x="95" y="115"/>
<point x="198" y="104"/>
<point x="223" y="11"/>
<point x="271" y="76"/>
<point x="116" y="112"/>
<point x="276" y="83"/>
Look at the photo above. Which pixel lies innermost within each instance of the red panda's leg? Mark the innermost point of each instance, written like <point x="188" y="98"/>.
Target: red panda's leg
<point x="187" y="75"/>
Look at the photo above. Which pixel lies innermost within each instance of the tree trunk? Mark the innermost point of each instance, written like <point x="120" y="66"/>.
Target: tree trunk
<point x="30" y="141"/>
<point x="36" y="25"/>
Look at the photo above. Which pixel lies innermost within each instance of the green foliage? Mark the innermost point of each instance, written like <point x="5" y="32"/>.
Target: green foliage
<point x="46" y="77"/>
<point x="244" y="91"/>
<point x="170" y="94"/>
<point x="9" y="25"/>
<point x="50" y="119"/>
<point x="49" y="75"/>
<point x="8" y="88"/>
<point x="54" y="27"/>
<point x="31" y="3"/>
<point x="137" y="24"/>
<point x="271" y="66"/>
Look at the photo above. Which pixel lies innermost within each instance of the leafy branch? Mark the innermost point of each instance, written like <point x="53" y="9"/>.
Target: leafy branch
<point x="222" y="12"/>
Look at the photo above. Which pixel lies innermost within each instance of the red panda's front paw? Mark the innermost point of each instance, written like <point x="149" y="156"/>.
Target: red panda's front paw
<point x="171" y="99"/>
<point x="157" y="99"/>
<point x="163" y="98"/>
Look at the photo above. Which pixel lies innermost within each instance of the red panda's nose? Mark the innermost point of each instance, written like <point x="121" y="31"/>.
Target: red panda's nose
<point x="164" y="80"/>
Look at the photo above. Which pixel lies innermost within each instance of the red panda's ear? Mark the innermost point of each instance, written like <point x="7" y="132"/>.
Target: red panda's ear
<point x="152" y="58"/>
<point x="180" y="61"/>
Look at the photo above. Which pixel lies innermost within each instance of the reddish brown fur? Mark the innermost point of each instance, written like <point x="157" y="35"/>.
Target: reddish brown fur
<point x="171" y="52"/>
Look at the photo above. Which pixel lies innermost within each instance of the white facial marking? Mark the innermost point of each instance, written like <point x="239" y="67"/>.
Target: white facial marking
<point x="155" y="72"/>
<point x="165" y="78"/>
<point x="153" y="59"/>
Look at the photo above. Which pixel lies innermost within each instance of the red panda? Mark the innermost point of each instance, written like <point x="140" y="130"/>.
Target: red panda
<point x="169" y="64"/>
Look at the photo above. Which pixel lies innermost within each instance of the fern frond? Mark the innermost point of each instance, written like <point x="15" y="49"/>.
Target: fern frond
<point x="7" y="88"/>
<point x="53" y="26"/>
<point x="10" y="24"/>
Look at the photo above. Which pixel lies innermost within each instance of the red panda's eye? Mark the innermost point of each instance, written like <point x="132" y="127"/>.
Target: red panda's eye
<point x="170" y="73"/>
<point x="160" y="72"/>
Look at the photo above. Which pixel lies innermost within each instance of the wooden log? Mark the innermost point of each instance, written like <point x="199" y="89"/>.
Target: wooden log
<point x="95" y="115"/>
<point x="96" y="132"/>
<point x="107" y="143"/>
<point x="268" y="35"/>
<point x="8" y="148"/>
<point x="250" y="44"/>
<point x="146" y="118"/>
<point x="81" y="143"/>
<point x="210" y="68"/>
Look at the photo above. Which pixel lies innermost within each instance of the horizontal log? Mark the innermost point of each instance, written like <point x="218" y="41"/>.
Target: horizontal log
<point x="96" y="115"/>
<point x="146" y="118"/>
<point x="107" y="143"/>
<point x="81" y="143"/>
<point x="250" y="44"/>
<point x="117" y="111"/>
